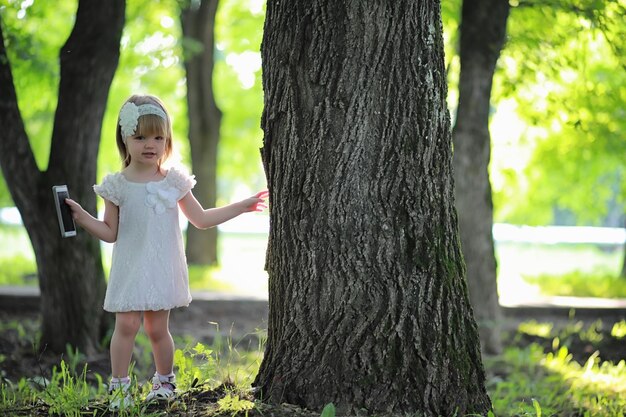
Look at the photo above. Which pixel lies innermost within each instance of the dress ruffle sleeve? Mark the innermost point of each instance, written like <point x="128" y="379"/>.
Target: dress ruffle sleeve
<point x="181" y="181"/>
<point x="110" y="188"/>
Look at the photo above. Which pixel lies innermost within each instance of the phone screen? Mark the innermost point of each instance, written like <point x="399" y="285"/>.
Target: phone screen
<point x="66" y="213"/>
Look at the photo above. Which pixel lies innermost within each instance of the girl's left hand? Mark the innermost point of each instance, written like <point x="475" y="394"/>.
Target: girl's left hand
<point x="256" y="202"/>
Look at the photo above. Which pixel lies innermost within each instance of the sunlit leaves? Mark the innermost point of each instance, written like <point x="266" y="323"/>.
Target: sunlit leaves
<point x="34" y="33"/>
<point x="149" y="64"/>
<point x="238" y="90"/>
<point x="561" y="67"/>
<point x="152" y="50"/>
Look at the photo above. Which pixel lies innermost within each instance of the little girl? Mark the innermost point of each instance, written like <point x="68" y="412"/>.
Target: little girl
<point x="149" y="271"/>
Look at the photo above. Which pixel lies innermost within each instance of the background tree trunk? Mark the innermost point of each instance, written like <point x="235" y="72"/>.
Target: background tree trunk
<point x="368" y="303"/>
<point x="70" y="270"/>
<point x="483" y="28"/>
<point x="198" y="23"/>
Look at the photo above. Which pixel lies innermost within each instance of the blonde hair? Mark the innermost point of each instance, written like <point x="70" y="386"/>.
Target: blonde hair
<point x="147" y="125"/>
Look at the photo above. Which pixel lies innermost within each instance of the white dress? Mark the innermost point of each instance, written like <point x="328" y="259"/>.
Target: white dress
<point x="149" y="268"/>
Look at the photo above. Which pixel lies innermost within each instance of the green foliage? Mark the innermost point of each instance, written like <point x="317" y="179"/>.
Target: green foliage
<point x="34" y="33"/>
<point x="238" y="91"/>
<point x="536" y="329"/>
<point x="537" y="407"/>
<point x="562" y="64"/>
<point x="74" y="357"/>
<point x="529" y="382"/>
<point x="588" y="380"/>
<point x="69" y="393"/>
<point x="14" y="241"/>
<point x="519" y="260"/>
<point x="26" y="331"/>
<point x="5" y="195"/>
<point x="574" y="330"/>
<point x="17" y="270"/>
<point x="196" y="366"/>
<point x="18" y="267"/>
<point x="562" y="67"/>
<point x="65" y="394"/>
<point x="328" y="411"/>
<point x="451" y="18"/>
<point x="237" y="364"/>
<point x="150" y="62"/>
<point x="20" y="270"/>
<point x="580" y="284"/>
<point x="207" y="278"/>
<point x="234" y="405"/>
<point x="619" y="329"/>
<point x="523" y="381"/>
<point x="14" y="396"/>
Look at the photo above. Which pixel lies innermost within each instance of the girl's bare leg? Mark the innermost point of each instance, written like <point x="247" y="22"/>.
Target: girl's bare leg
<point x="156" y="325"/>
<point x="122" y="342"/>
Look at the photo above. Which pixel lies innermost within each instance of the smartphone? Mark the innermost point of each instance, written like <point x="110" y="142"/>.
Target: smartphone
<point x="64" y="213"/>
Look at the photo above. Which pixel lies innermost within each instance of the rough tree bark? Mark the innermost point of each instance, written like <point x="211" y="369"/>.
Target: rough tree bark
<point x="70" y="270"/>
<point x="483" y="29"/>
<point x="198" y="23"/>
<point x="368" y="304"/>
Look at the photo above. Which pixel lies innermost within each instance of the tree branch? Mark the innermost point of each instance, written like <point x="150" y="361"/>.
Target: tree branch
<point x="16" y="156"/>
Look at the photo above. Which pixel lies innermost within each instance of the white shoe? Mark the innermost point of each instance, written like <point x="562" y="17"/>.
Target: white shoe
<point x="119" y="397"/>
<point x="163" y="388"/>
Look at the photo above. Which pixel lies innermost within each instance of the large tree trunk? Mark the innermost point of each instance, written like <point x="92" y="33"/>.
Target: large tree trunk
<point x="368" y="304"/>
<point x="483" y="27"/>
<point x="198" y="22"/>
<point x="70" y="270"/>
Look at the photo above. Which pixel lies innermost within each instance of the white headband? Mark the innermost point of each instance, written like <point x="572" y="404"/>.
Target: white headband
<point x="129" y="116"/>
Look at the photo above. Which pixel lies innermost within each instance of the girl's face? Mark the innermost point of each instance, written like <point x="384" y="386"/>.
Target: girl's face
<point x="146" y="150"/>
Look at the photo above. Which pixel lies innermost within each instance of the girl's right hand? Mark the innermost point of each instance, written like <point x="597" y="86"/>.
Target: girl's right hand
<point x="102" y="229"/>
<point x="78" y="213"/>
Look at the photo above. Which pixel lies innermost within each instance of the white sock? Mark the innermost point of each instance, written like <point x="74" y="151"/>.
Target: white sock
<point x="165" y="378"/>
<point x="119" y="382"/>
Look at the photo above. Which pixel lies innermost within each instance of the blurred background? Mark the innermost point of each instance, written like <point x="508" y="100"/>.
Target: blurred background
<point x="557" y="127"/>
<point x="557" y="170"/>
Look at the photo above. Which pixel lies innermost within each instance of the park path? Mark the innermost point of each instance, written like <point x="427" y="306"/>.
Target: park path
<point x="242" y="317"/>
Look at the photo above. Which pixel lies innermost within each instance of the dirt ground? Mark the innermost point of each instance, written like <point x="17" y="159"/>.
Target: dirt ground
<point x="19" y="359"/>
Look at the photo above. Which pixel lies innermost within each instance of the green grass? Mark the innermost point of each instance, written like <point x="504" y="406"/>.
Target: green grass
<point x="527" y="259"/>
<point x="14" y="241"/>
<point x="199" y="368"/>
<point x="564" y="269"/>
<point x="242" y="261"/>
<point x="70" y="394"/>
<point x="529" y="382"/>
<point x="522" y="379"/>
<point x="18" y="270"/>
<point x="525" y="380"/>
<point x="207" y="278"/>
<point x="581" y="284"/>
<point x="521" y="382"/>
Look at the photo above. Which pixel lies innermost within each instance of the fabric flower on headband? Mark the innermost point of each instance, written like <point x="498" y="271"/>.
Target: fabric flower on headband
<point x="129" y="116"/>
